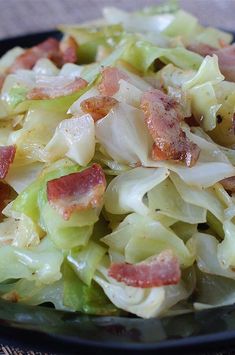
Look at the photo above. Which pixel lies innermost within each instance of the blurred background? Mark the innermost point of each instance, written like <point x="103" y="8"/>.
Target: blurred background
<point x="24" y="16"/>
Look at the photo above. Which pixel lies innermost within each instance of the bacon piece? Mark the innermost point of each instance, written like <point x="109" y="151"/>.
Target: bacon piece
<point x="109" y="84"/>
<point x="229" y="184"/>
<point x="201" y="48"/>
<point x="98" y="106"/>
<point x="49" y="92"/>
<point x="160" y="270"/>
<point x="226" y="57"/>
<point x="77" y="191"/>
<point x="5" y="194"/>
<point x="68" y="48"/>
<point x="47" y="49"/>
<point x="162" y="117"/>
<point x="7" y="154"/>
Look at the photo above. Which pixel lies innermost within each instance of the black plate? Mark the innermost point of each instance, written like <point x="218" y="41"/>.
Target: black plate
<point x="47" y="329"/>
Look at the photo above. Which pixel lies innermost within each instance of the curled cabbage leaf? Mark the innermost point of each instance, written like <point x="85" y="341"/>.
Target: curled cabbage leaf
<point x="125" y="193"/>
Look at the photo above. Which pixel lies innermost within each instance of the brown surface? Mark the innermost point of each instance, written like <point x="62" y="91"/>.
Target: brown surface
<point x="22" y="16"/>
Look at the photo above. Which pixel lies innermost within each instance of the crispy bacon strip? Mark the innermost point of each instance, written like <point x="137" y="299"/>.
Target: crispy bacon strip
<point x="45" y="92"/>
<point x="98" y="106"/>
<point x="68" y="48"/>
<point x="7" y="154"/>
<point x="226" y="57"/>
<point x="77" y="191"/>
<point x="47" y="49"/>
<point x="160" y="270"/>
<point x="229" y="184"/>
<point x="109" y="84"/>
<point x="162" y="117"/>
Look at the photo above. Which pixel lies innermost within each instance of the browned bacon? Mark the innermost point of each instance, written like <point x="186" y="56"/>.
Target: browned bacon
<point x="109" y="84"/>
<point x="77" y="191"/>
<point x="47" y="49"/>
<point x="7" y="154"/>
<point x="68" y="48"/>
<point x="157" y="271"/>
<point x="229" y="184"/>
<point x="98" y="106"/>
<point x="201" y="48"/>
<point x="162" y="117"/>
<point x="48" y="92"/>
<point x="5" y="193"/>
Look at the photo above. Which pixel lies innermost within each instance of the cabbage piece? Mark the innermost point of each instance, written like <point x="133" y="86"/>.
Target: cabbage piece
<point x="208" y="71"/>
<point x="141" y="54"/>
<point x="138" y="81"/>
<point x="206" y="249"/>
<point x="223" y="133"/>
<point x="33" y="293"/>
<point x="118" y="241"/>
<point x="71" y="233"/>
<point x="110" y="166"/>
<point x="226" y="249"/>
<point x="38" y="129"/>
<point x="21" y="233"/>
<point x="87" y="299"/>
<point x="75" y="138"/>
<point x="40" y="263"/>
<point x="184" y="230"/>
<point x="137" y="22"/>
<point x="15" y="84"/>
<point x="181" y="21"/>
<point x="205" y="105"/>
<point x="45" y="67"/>
<point x="125" y="193"/>
<point x="90" y="38"/>
<point x="129" y="140"/>
<point x="19" y="177"/>
<point x="90" y="72"/>
<point x="213" y="291"/>
<point x="171" y="6"/>
<point x="211" y="167"/>
<point x="165" y="198"/>
<point x="84" y="261"/>
<point x="5" y="129"/>
<point x="144" y="302"/>
<point x="128" y="94"/>
<point x="60" y="104"/>
<point x="143" y="237"/>
<point x="213" y="37"/>
<point x="210" y="152"/>
<point x="202" y="92"/>
<point x="205" y="198"/>
<point x="204" y="174"/>
<point x="71" y="70"/>
<point x="9" y="57"/>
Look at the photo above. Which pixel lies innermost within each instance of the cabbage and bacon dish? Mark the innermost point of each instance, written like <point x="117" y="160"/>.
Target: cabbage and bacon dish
<point x="117" y="167"/>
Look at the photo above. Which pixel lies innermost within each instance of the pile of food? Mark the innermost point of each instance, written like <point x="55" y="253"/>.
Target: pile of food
<point x="117" y="167"/>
